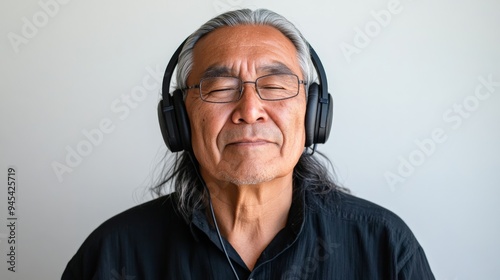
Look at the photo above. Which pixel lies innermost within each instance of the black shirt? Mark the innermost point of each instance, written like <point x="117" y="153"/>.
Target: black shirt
<point x="327" y="236"/>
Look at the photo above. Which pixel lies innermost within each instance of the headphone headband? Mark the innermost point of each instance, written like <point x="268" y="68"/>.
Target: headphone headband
<point x="169" y="71"/>
<point x="320" y="71"/>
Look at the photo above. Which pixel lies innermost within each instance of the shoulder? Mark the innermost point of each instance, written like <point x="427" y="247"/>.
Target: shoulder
<point x="150" y="218"/>
<point x="348" y="207"/>
<point x="143" y="230"/>
<point x="156" y="212"/>
<point x="366" y="226"/>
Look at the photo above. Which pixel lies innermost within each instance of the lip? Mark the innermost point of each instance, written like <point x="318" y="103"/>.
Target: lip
<point x="249" y="142"/>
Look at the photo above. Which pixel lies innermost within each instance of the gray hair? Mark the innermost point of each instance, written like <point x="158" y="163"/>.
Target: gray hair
<point x="246" y="17"/>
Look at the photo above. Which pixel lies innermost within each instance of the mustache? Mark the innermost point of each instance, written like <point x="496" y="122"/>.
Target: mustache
<point x="251" y="133"/>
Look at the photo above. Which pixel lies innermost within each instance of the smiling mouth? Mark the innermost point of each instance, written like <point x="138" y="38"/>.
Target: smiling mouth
<point x="250" y="143"/>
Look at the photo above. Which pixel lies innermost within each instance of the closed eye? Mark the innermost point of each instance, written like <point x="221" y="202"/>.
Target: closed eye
<point x="221" y="90"/>
<point x="272" y="87"/>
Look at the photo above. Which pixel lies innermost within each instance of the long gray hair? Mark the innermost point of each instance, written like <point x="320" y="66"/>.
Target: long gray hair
<point x="179" y="172"/>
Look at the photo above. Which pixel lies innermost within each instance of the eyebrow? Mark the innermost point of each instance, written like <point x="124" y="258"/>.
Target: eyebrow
<point x="275" y="68"/>
<point x="216" y="71"/>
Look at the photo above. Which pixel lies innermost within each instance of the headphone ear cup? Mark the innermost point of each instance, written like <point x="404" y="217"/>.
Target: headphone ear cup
<point x="182" y="119"/>
<point x="325" y="120"/>
<point x="168" y="124"/>
<point x="174" y="122"/>
<point x="311" y="114"/>
<point x="319" y="116"/>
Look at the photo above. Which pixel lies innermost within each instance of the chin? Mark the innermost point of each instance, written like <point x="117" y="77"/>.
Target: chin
<point x="247" y="179"/>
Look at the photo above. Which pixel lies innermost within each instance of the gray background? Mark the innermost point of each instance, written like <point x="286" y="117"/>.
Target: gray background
<point x="75" y="68"/>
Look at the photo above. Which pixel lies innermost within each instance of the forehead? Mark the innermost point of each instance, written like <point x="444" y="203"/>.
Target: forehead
<point x="245" y="48"/>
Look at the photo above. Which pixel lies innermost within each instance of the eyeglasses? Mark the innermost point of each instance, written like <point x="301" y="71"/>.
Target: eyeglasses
<point x="271" y="87"/>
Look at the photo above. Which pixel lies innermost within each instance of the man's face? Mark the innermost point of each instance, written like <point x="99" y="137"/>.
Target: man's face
<point x="249" y="141"/>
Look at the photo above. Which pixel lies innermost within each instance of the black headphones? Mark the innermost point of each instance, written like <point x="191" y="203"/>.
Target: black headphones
<point x="174" y="121"/>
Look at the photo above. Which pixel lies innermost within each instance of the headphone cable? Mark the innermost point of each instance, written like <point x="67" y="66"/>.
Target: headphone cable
<point x="213" y="215"/>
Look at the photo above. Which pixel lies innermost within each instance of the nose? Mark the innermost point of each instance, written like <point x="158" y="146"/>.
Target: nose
<point x="250" y="108"/>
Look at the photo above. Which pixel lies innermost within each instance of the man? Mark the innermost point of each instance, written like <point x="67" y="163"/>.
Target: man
<point x="250" y="202"/>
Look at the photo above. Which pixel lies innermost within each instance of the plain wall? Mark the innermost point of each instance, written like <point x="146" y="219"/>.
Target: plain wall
<point x="416" y="90"/>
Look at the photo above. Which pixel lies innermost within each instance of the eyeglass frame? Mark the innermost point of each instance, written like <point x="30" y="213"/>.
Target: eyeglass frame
<point x="242" y="83"/>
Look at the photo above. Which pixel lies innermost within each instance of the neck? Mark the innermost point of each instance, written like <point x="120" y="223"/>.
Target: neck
<point x="250" y="216"/>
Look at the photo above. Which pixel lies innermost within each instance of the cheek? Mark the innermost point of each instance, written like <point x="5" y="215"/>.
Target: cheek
<point x="205" y="128"/>
<point x="293" y="126"/>
<point x="199" y="126"/>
